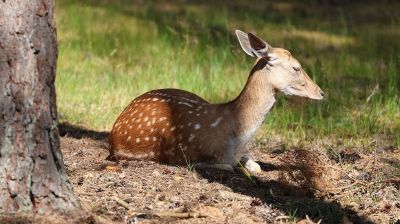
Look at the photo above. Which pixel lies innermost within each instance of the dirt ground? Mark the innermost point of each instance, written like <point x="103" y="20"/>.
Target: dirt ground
<point x="328" y="182"/>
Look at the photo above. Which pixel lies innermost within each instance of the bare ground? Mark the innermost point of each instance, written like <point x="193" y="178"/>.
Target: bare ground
<point x="325" y="181"/>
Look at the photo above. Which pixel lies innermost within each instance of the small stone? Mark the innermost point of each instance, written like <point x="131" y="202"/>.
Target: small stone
<point x="178" y="178"/>
<point x="156" y="173"/>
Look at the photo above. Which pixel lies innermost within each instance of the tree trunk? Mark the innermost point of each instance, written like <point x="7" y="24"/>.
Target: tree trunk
<point x="33" y="179"/>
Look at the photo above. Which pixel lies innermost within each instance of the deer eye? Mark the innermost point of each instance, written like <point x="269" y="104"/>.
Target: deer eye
<point x="297" y="69"/>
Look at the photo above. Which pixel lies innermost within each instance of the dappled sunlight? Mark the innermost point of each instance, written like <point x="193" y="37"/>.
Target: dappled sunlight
<point x="322" y="39"/>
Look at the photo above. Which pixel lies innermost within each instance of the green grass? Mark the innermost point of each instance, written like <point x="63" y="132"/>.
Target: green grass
<point x="112" y="51"/>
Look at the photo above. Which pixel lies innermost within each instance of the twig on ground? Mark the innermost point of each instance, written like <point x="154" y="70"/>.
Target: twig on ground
<point x="184" y="215"/>
<point x="86" y="193"/>
<point x="342" y="188"/>
<point x="122" y="203"/>
<point x="227" y="195"/>
<point x="282" y="217"/>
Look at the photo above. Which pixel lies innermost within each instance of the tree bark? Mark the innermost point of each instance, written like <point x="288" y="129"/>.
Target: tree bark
<point x="33" y="179"/>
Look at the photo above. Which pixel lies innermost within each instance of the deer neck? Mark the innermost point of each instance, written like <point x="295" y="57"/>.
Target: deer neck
<point x="253" y="103"/>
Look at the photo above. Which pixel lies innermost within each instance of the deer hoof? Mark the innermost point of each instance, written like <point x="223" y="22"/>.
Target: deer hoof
<point x="252" y="166"/>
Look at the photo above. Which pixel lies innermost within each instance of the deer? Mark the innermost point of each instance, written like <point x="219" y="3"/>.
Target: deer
<point x="173" y="126"/>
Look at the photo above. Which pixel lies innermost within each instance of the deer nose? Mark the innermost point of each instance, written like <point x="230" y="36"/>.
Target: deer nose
<point x="321" y="92"/>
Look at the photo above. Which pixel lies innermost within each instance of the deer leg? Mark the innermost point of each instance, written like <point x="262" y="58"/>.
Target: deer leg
<point x="219" y="166"/>
<point x="250" y="164"/>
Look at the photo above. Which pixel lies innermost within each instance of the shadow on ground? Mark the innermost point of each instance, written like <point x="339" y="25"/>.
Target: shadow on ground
<point x="294" y="191"/>
<point x="70" y="130"/>
<point x="295" y="194"/>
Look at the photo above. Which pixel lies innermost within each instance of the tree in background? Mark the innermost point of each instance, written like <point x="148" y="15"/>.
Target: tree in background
<point x="33" y="180"/>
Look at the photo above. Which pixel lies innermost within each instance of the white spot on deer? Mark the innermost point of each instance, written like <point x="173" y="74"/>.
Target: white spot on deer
<point x="180" y="126"/>
<point x="129" y="138"/>
<point x="184" y="103"/>
<point x="141" y="131"/>
<point x="168" y="100"/>
<point x="154" y="120"/>
<point x="130" y="127"/>
<point x="191" y="137"/>
<point x="173" y="128"/>
<point x="155" y="99"/>
<point x="197" y="115"/>
<point x="148" y="123"/>
<point x="190" y="111"/>
<point x="153" y="112"/>
<point x="189" y="124"/>
<point x="137" y="140"/>
<point x="197" y="126"/>
<point x="189" y="100"/>
<point x="205" y="112"/>
<point x="154" y="139"/>
<point x="140" y="115"/>
<point x="125" y="132"/>
<point x="163" y="130"/>
<point x="216" y="122"/>
<point x="162" y="118"/>
<point x="146" y="139"/>
<point x="145" y="119"/>
<point x="151" y="130"/>
<point x="199" y="108"/>
<point x="138" y="120"/>
<point x="140" y="126"/>
<point x="162" y="100"/>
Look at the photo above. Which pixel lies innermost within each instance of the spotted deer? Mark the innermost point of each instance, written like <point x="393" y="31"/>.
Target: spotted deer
<point x="178" y="127"/>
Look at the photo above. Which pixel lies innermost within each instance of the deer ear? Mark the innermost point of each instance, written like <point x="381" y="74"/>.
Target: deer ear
<point x="253" y="45"/>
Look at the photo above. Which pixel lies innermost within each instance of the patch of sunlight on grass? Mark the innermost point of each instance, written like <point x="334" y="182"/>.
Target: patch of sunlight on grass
<point x="323" y="39"/>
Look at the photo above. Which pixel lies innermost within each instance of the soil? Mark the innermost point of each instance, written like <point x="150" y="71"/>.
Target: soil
<point x="319" y="182"/>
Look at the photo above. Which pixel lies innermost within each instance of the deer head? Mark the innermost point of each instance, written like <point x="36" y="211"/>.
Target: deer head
<point x="282" y="70"/>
